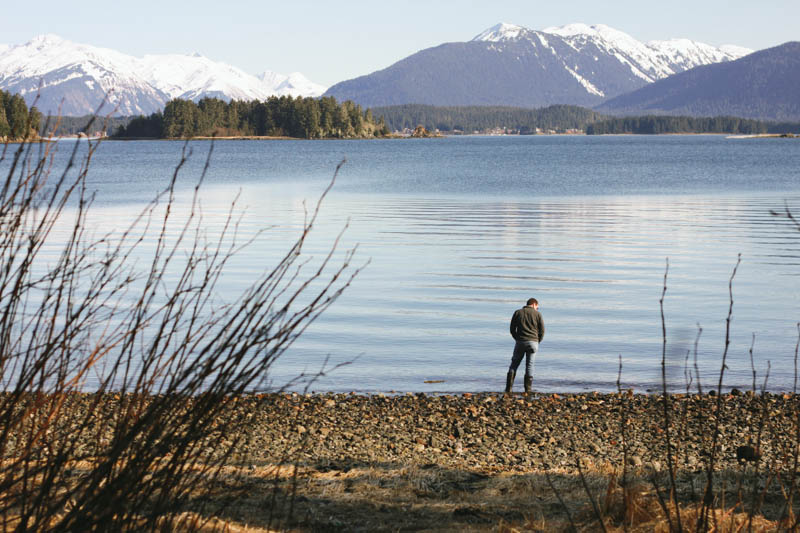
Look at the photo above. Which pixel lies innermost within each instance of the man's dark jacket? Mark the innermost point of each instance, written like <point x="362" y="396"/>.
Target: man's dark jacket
<point x="527" y="325"/>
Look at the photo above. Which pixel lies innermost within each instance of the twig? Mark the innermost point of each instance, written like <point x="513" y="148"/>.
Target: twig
<point x="588" y="491"/>
<point x="708" y="496"/>
<point x="665" y="401"/>
<point x="560" y="499"/>
<point x="623" y="406"/>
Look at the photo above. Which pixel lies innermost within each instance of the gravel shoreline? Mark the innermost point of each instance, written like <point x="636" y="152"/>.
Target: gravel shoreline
<point x="492" y="432"/>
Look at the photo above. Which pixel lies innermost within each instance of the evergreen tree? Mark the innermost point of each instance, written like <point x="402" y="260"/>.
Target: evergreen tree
<point x="5" y="129"/>
<point x="210" y="116"/>
<point x="232" y="116"/>
<point x="356" y="120"/>
<point x="180" y="118"/>
<point x="308" y="113"/>
<point x="327" y="110"/>
<point x="17" y="116"/>
<point x="341" y="123"/>
<point x="35" y="118"/>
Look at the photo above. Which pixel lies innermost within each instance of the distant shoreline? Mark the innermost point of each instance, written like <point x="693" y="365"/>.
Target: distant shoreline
<point x="766" y="136"/>
<point x="398" y="136"/>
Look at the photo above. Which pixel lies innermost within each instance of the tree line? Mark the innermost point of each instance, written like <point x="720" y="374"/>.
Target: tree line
<point x="285" y="116"/>
<point x="469" y="119"/>
<point x="563" y="118"/>
<point x="652" y="124"/>
<point x="17" y="122"/>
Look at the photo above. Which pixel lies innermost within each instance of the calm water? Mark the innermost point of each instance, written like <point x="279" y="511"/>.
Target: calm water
<point x="460" y="231"/>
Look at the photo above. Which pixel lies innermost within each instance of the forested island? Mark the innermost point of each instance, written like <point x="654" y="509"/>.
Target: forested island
<point x="302" y="118"/>
<point x="17" y="121"/>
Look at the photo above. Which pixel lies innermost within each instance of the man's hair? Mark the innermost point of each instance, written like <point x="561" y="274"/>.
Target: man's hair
<point x="532" y="301"/>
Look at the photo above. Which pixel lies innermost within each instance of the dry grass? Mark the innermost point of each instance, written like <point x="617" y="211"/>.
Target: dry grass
<point x="394" y="497"/>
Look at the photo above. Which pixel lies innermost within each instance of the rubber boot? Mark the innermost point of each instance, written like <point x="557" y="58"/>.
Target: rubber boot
<point x="528" y="384"/>
<point x="510" y="380"/>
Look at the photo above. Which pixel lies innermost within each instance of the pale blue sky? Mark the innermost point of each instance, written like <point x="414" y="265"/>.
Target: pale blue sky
<point x="330" y="41"/>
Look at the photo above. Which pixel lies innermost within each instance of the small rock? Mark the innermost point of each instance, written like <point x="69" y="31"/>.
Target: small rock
<point x="747" y="453"/>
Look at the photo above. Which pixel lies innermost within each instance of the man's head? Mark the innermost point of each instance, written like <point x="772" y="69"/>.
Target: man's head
<point x="533" y="302"/>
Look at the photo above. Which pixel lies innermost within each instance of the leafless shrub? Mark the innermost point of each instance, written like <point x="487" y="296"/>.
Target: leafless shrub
<point x="168" y="358"/>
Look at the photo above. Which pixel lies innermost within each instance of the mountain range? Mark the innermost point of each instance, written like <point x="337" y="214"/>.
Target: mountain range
<point x="506" y="65"/>
<point x="75" y="78"/>
<point x="516" y="66"/>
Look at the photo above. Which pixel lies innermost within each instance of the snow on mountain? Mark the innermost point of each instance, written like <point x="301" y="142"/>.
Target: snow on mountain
<point x="500" y="32"/>
<point x="193" y="76"/>
<point x="294" y="84"/>
<point x="80" y="75"/>
<point x="508" y="64"/>
<point x="634" y="54"/>
<point x="736" y="51"/>
<point x="650" y="61"/>
<point x="762" y="85"/>
<point x="684" y="54"/>
<point x="76" y="78"/>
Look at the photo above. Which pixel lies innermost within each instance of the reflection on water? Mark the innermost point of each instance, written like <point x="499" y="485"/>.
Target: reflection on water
<point x="445" y="276"/>
<point x="449" y="268"/>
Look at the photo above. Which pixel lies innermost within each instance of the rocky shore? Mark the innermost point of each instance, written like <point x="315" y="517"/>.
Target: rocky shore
<point x="491" y="432"/>
<point x="488" y="462"/>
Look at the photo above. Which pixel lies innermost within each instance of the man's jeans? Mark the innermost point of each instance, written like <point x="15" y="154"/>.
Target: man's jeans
<point x="528" y="349"/>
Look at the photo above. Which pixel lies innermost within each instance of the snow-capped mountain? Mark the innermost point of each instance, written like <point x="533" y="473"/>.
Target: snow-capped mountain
<point x="75" y="78"/>
<point x="502" y="32"/>
<point x="512" y="65"/>
<point x="651" y="61"/>
<point x="191" y="77"/>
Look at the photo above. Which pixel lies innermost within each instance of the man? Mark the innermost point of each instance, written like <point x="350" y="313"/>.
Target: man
<point x="527" y="328"/>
